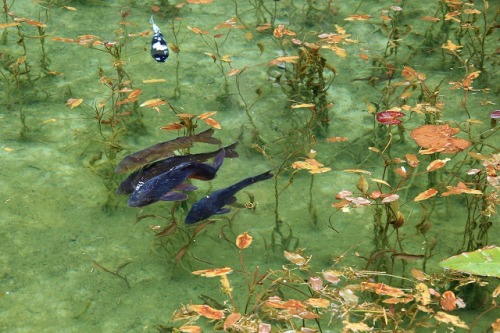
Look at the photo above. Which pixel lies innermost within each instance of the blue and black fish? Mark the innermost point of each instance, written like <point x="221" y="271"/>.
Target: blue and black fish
<point x="154" y="169"/>
<point x="165" y="187"/>
<point x="214" y="202"/>
<point x="159" y="46"/>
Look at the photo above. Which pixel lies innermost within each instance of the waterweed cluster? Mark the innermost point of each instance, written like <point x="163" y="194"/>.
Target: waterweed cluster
<point x="295" y="298"/>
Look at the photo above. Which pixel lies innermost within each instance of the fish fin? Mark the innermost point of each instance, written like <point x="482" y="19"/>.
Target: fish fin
<point x="223" y="211"/>
<point x="206" y="137"/>
<point x="231" y="200"/>
<point x="229" y="151"/>
<point x="219" y="159"/>
<point x="174" y="196"/>
<point x="186" y="187"/>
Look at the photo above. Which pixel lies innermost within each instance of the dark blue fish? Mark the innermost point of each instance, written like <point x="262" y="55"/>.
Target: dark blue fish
<point x="157" y="168"/>
<point x="214" y="202"/>
<point x="159" y="46"/>
<point x="162" y="187"/>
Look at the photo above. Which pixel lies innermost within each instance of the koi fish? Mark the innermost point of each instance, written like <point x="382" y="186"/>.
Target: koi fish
<point x="159" y="46"/>
<point x="157" y="168"/>
<point x="162" y="186"/>
<point x="214" y="202"/>
<point x="163" y="149"/>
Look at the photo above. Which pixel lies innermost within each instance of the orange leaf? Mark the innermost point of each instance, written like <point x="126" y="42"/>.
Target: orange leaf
<point x="412" y="160"/>
<point x="7" y="25"/>
<point x="243" y="241"/>
<point x="290" y="59"/>
<point x="426" y="194"/>
<point x="207" y="311"/>
<point x="361" y="17"/>
<point x="233" y="72"/>
<point x="199" y="2"/>
<point x="430" y="18"/>
<point x="231" y="320"/>
<point x="336" y="139"/>
<point x="198" y="31"/>
<point x="318" y="302"/>
<point x="213" y="272"/>
<point x="437" y="164"/>
<point x="447" y="301"/>
<point x="212" y="123"/>
<point x="206" y="114"/>
<point x="382" y="289"/>
<point x="172" y="127"/>
<point x="135" y="93"/>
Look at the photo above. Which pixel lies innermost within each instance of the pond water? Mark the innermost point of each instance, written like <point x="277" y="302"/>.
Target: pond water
<point x="76" y="258"/>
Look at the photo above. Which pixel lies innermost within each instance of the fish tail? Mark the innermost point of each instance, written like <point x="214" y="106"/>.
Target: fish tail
<point x="262" y="176"/>
<point x="230" y="152"/>
<point x="206" y="137"/>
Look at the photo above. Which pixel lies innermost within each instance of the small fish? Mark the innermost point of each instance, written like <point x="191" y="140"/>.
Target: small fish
<point x="215" y="201"/>
<point x="157" y="168"/>
<point x="163" y="149"/>
<point x="159" y="46"/>
<point x="162" y="186"/>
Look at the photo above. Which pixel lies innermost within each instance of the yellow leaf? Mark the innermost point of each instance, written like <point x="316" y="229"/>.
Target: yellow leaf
<point x="303" y="105"/>
<point x="154" y="81"/>
<point x="74" y="102"/>
<point x="154" y="103"/>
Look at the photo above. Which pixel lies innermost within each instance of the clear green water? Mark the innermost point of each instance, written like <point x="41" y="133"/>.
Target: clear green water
<point x="53" y="187"/>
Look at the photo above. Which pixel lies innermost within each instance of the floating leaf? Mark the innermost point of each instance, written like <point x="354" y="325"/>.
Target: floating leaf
<point x="154" y="81"/>
<point x="426" y="194"/>
<point x="74" y="102"/>
<point x="311" y="165"/>
<point x="447" y="301"/>
<point x="243" y="241"/>
<point x="450" y="319"/>
<point x="213" y="272"/>
<point x="437" y="164"/>
<point x="360" y="17"/>
<point x="154" y="103"/>
<point x="412" y="160"/>
<point x="296" y="258"/>
<point x="440" y="137"/>
<point x="303" y="105"/>
<point x="135" y="93"/>
<point x="337" y="139"/>
<point x="231" y="320"/>
<point x="190" y="329"/>
<point x="459" y="189"/>
<point x="172" y="127"/>
<point x="290" y="59"/>
<point x="318" y="302"/>
<point x="485" y="261"/>
<point x="207" y="311"/>
<point x="430" y="18"/>
<point x="199" y="2"/>
<point x="358" y="171"/>
<point x="10" y="24"/>
<point x="198" y="31"/>
<point x="212" y="123"/>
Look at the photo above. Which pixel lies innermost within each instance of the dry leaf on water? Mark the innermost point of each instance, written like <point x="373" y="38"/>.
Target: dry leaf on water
<point x="243" y="241"/>
<point x="439" y="137"/>
<point x="213" y="272"/>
